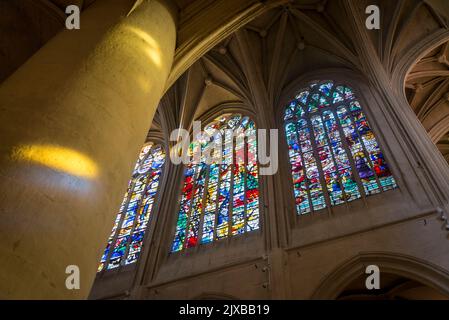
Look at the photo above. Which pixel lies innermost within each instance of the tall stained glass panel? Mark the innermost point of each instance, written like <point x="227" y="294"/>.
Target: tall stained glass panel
<point x="220" y="196"/>
<point x="334" y="155"/>
<point x="125" y="242"/>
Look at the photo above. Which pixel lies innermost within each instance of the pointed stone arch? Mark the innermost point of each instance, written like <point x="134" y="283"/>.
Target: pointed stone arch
<point x="399" y="264"/>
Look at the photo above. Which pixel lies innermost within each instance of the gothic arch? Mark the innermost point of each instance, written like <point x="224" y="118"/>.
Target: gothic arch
<point x="439" y="129"/>
<point x="134" y="220"/>
<point x="409" y="59"/>
<point x="245" y="110"/>
<point x="181" y="239"/>
<point x="351" y="77"/>
<point x="424" y="86"/>
<point x="223" y="108"/>
<point x="388" y="262"/>
<point x="368" y="98"/>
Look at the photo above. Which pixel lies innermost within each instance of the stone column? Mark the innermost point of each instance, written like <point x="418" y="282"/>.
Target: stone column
<point x="73" y="119"/>
<point x="423" y="158"/>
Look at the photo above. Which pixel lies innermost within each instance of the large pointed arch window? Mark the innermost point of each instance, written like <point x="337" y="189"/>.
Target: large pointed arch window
<point x="125" y="242"/>
<point x="333" y="152"/>
<point x="220" y="199"/>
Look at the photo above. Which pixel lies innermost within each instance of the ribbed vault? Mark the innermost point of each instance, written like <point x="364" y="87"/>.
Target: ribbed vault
<point x="250" y="68"/>
<point x="275" y="42"/>
<point x="253" y="65"/>
<point x="427" y="90"/>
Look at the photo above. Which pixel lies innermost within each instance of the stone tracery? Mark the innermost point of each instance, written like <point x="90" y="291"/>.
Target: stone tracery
<point x="249" y="56"/>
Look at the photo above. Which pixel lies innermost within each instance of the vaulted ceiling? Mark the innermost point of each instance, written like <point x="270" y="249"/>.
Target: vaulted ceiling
<point x="404" y="23"/>
<point x="266" y="55"/>
<point x="252" y="66"/>
<point x="263" y="57"/>
<point x="427" y="89"/>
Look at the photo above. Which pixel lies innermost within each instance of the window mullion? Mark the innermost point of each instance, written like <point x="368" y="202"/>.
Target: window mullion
<point x="189" y="215"/>
<point x="365" y="151"/>
<point x="304" y="167"/>
<point x="355" y="173"/>
<point x="217" y="202"/>
<point x="203" y="205"/>
<point x="337" y="171"/>
<point x="140" y="207"/>
<point x="231" y="190"/>
<point x="245" y="181"/>
<point x="219" y="182"/>
<point x="318" y="163"/>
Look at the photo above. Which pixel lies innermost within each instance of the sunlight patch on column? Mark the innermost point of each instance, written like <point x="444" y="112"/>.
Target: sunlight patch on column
<point x="58" y="158"/>
<point x="149" y="45"/>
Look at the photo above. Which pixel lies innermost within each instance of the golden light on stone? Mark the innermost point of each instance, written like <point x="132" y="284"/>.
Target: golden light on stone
<point x="148" y="45"/>
<point x="58" y="158"/>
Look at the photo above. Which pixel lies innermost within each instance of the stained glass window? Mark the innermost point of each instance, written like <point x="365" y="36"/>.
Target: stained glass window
<point x="125" y="242"/>
<point x="333" y="152"/>
<point x="220" y="198"/>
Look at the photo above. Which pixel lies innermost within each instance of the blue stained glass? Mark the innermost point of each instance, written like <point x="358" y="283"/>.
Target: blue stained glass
<point x="299" y="183"/>
<point x="334" y="155"/>
<point x="221" y="198"/>
<point x="312" y="104"/>
<point x="302" y="97"/>
<point x="252" y="184"/>
<point x="326" y="88"/>
<point x="126" y="238"/>
<point x="323" y="102"/>
<point x="289" y="112"/>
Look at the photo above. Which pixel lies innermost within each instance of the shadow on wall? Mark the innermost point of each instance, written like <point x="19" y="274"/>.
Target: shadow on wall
<point x="25" y="26"/>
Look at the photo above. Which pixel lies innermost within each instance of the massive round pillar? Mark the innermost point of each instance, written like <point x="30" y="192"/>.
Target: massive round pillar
<point x="73" y="119"/>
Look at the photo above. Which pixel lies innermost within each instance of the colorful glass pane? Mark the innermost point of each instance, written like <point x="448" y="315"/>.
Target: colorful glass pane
<point x="220" y="198"/>
<point x="126" y="238"/>
<point x="334" y="155"/>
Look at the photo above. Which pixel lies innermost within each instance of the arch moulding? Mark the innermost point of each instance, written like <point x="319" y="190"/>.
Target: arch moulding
<point x="403" y="265"/>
